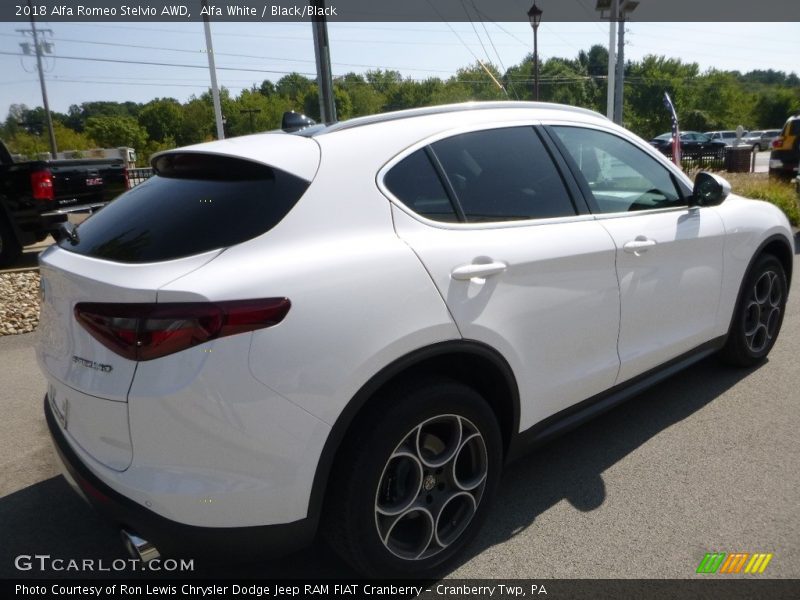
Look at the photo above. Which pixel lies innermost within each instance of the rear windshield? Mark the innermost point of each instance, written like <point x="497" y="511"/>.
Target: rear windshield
<point x="193" y="204"/>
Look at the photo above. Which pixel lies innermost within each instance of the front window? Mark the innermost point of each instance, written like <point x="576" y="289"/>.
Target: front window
<point x="620" y="176"/>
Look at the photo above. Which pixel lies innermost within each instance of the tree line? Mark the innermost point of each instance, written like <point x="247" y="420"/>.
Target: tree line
<point x="714" y="99"/>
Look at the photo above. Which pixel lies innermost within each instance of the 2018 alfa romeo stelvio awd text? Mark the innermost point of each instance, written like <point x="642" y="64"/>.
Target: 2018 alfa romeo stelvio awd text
<point x="350" y="328"/>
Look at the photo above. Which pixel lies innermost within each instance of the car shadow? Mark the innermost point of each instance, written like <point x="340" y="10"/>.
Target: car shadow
<point x="571" y="467"/>
<point x="29" y="259"/>
<point x="49" y="518"/>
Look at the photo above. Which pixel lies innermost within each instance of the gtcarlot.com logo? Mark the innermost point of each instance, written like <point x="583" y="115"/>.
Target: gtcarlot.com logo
<point x="45" y="562"/>
<point x="736" y="562"/>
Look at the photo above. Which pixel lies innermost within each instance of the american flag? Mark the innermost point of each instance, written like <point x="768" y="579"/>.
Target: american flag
<point x="676" y="134"/>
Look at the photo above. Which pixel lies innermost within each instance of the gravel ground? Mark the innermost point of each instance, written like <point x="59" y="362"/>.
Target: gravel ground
<point x="19" y="302"/>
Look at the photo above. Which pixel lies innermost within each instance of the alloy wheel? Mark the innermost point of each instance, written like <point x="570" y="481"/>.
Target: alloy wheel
<point x="763" y="311"/>
<point x="430" y="487"/>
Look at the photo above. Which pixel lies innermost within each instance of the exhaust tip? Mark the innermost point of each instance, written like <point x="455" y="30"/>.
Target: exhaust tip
<point x="139" y="548"/>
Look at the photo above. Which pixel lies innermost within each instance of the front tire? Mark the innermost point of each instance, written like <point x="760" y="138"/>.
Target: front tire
<point x="414" y="483"/>
<point x="759" y="313"/>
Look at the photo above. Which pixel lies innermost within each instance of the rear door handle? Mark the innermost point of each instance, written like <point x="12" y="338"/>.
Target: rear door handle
<point x="471" y="271"/>
<point x="638" y="246"/>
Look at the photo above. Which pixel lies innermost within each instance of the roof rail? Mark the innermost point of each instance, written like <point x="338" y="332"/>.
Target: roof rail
<point x="449" y="108"/>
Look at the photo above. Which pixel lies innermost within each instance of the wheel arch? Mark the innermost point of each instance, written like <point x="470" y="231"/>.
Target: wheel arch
<point x="470" y="362"/>
<point x="780" y="248"/>
<point x="776" y="245"/>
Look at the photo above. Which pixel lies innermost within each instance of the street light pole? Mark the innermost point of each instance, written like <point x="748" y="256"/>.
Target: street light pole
<point x="535" y="17"/>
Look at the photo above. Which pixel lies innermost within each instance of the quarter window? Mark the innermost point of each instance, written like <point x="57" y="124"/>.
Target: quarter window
<point x="621" y="177"/>
<point x="415" y="183"/>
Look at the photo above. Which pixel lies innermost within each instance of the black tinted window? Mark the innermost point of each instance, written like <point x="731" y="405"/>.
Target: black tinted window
<point x="503" y="174"/>
<point x="193" y="204"/>
<point x="415" y="183"/>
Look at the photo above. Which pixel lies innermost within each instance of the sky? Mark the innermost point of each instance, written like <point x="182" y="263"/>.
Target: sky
<point x="248" y="53"/>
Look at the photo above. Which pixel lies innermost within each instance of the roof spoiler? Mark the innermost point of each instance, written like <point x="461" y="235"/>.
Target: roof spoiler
<point x="293" y="121"/>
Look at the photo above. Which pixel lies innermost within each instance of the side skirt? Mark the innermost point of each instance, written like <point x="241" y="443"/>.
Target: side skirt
<point x="570" y="418"/>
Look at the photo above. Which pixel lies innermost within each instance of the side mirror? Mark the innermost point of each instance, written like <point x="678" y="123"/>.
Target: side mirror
<point x="709" y="190"/>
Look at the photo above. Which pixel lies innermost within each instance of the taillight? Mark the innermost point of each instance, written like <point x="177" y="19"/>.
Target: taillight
<point x="148" y="331"/>
<point x="42" y="185"/>
<point x="777" y="142"/>
<point x="127" y="179"/>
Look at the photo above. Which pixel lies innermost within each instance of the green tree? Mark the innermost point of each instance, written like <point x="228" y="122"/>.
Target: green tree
<point x="162" y="118"/>
<point x="645" y="84"/>
<point x="344" y="106"/>
<point x="69" y="139"/>
<point x="111" y="132"/>
<point x="383" y="81"/>
<point x="294" y="87"/>
<point x="365" y="99"/>
<point x="252" y="112"/>
<point x="771" y="109"/>
<point x="197" y="124"/>
<point x="479" y="82"/>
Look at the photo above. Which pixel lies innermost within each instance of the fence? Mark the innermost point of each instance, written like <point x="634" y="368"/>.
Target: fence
<point x="732" y="159"/>
<point x="137" y="176"/>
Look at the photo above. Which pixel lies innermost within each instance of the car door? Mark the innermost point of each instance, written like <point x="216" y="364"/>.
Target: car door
<point x="669" y="256"/>
<point x="521" y="267"/>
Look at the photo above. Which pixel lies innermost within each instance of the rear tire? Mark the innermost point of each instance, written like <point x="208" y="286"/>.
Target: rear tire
<point x="758" y="315"/>
<point x="414" y="482"/>
<point x="10" y="248"/>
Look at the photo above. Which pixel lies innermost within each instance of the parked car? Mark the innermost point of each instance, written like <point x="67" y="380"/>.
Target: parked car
<point x="761" y="139"/>
<point x="785" y="155"/>
<point x="770" y="135"/>
<point x="753" y="139"/>
<point x="728" y="137"/>
<point x="693" y="145"/>
<point x="36" y="196"/>
<point x="351" y="328"/>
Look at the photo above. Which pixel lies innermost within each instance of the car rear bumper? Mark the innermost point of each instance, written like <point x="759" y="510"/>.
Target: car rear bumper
<point x="784" y="162"/>
<point x="170" y="537"/>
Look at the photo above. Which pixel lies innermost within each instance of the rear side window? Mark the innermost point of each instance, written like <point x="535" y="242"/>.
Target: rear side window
<point x="502" y="175"/>
<point x="194" y="203"/>
<point x="415" y="183"/>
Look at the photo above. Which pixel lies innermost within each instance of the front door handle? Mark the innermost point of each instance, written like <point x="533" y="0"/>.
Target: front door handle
<point x="638" y="246"/>
<point x="483" y="270"/>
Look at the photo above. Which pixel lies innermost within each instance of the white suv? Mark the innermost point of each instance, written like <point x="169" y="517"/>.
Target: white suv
<point x="352" y="328"/>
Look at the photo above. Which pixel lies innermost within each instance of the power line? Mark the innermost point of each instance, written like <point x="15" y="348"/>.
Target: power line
<point x="163" y="64"/>
<point x="234" y="55"/>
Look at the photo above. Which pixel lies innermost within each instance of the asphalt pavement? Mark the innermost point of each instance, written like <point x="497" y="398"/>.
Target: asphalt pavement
<point x="708" y="461"/>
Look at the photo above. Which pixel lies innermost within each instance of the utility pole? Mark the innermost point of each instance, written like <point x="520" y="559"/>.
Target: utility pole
<point x="212" y="68"/>
<point x="39" y="48"/>
<point x="612" y="65"/>
<point x="617" y="11"/>
<point x="619" y="79"/>
<point x="322" y="54"/>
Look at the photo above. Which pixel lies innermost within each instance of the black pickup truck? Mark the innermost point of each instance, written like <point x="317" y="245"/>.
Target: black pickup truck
<point x="36" y="196"/>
